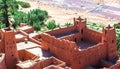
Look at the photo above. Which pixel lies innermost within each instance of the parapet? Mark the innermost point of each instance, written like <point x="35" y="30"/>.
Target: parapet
<point x="79" y="20"/>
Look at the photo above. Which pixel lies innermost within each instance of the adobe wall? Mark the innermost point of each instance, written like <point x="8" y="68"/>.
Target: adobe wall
<point x="61" y="48"/>
<point x="91" y="35"/>
<point x="62" y="30"/>
<point x="27" y="30"/>
<point x="74" y="37"/>
<point x="25" y="55"/>
<point x="2" y="48"/>
<point x="89" y="56"/>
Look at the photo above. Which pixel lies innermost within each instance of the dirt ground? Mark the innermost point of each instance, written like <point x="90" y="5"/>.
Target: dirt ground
<point x="62" y="15"/>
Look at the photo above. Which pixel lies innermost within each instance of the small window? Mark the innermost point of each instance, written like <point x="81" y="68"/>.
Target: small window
<point x="81" y="31"/>
<point x="75" y="40"/>
<point x="81" y="39"/>
<point x="112" y="41"/>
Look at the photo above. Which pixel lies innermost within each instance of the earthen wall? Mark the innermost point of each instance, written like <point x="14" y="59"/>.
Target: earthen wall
<point x="25" y="55"/>
<point x="91" y="35"/>
<point x="61" y="30"/>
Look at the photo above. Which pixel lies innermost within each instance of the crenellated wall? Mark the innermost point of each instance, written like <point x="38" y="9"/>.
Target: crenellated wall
<point x="74" y="37"/>
<point x="91" y="55"/>
<point x="62" y="49"/>
<point x="62" y="30"/>
<point x="92" y="36"/>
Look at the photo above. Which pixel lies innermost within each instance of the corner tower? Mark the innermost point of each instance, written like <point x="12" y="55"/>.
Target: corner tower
<point x="80" y="23"/>
<point x="11" y="54"/>
<point x="109" y="39"/>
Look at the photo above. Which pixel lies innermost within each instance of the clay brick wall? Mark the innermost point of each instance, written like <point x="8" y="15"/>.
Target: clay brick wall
<point x="25" y="55"/>
<point x="62" y="49"/>
<point x="28" y="30"/>
<point x="35" y="41"/>
<point x="61" y="30"/>
<point x="74" y="37"/>
<point x="2" y="48"/>
<point x="92" y="35"/>
<point x="90" y="56"/>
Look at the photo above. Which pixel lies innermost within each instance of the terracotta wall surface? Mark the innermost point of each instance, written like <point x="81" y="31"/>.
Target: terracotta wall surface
<point x="25" y="55"/>
<point x="61" y="30"/>
<point x="73" y="37"/>
<point x="91" y="55"/>
<point x="91" y="35"/>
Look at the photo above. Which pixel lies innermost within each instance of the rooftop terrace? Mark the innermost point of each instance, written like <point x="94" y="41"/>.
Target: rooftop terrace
<point x="29" y="44"/>
<point x="84" y="44"/>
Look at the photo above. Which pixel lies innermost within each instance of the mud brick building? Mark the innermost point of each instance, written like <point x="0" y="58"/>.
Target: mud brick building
<point x="74" y="47"/>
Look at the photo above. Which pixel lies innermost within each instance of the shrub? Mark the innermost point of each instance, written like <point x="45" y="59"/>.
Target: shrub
<point x="68" y="24"/>
<point x="24" y="4"/>
<point x="20" y="17"/>
<point x="37" y="15"/>
<point x="51" y="25"/>
<point x="37" y="26"/>
<point x="2" y="25"/>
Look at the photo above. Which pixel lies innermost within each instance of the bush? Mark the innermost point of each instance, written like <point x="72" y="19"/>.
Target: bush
<point x="37" y="15"/>
<point x="51" y="25"/>
<point x="2" y="25"/>
<point x="24" y="4"/>
<point x="68" y="24"/>
<point x="20" y="17"/>
<point x="37" y="26"/>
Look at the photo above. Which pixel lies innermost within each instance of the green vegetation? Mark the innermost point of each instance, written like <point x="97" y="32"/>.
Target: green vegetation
<point x="24" y="4"/>
<point x="7" y="8"/>
<point x="37" y="15"/>
<point x="20" y="17"/>
<point x="95" y="26"/>
<point x="51" y="25"/>
<point x="68" y="24"/>
<point x="2" y="25"/>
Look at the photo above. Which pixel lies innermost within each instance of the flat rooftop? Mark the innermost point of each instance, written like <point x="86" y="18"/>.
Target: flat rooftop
<point x="25" y="27"/>
<point x="29" y="44"/>
<point x="19" y="35"/>
<point x="26" y="64"/>
<point x="85" y="44"/>
<point x="66" y="34"/>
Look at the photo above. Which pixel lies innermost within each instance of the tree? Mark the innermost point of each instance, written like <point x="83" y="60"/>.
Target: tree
<point x="7" y="8"/>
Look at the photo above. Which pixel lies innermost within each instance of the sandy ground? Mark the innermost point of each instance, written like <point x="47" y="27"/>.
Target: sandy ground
<point x="62" y="15"/>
